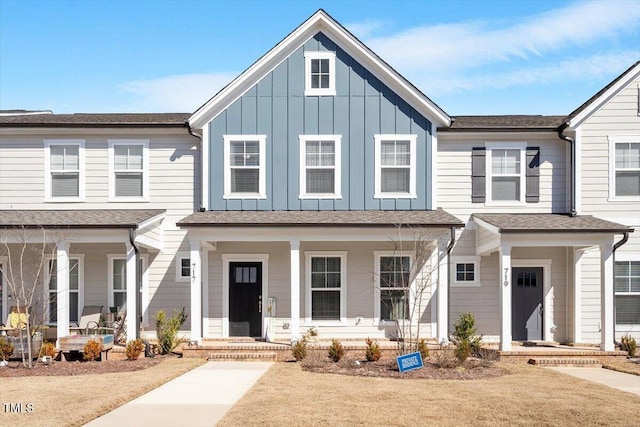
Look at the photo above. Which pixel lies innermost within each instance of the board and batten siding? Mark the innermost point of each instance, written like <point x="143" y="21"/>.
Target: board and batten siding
<point x="362" y="107"/>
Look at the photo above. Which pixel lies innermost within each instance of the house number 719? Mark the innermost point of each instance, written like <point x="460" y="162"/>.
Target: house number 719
<point x="506" y="276"/>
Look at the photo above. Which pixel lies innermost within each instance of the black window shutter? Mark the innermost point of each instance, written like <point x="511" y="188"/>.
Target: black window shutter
<point x="478" y="175"/>
<point x="533" y="174"/>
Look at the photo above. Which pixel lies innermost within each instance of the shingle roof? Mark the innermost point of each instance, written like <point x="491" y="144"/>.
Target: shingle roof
<point x="95" y="120"/>
<point x="129" y="218"/>
<point x="504" y="123"/>
<point x="437" y="218"/>
<point x="551" y="223"/>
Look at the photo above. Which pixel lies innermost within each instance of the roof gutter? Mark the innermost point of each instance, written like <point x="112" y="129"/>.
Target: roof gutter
<point x="132" y="238"/>
<point x="572" y="143"/>
<point x="616" y="246"/>
<point x="201" y="207"/>
<point x="450" y="246"/>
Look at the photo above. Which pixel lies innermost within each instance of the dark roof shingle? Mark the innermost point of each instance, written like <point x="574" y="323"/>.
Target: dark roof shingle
<point x="436" y="218"/>
<point x="504" y="123"/>
<point x="126" y="218"/>
<point x="551" y="223"/>
<point x="95" y="120"/>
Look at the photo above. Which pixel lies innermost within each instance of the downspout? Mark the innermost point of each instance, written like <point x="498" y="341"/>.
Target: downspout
<point x="572" y="144"/>
<point x="201" y="207"/>
<point x="617" y="245"/>
<point x="132" y="237"/>
<point x="452" y="242"/>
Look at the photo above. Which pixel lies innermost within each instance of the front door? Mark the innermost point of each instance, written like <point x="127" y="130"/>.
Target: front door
<point x="245" y="299"/>
<point x="526" y="303"/>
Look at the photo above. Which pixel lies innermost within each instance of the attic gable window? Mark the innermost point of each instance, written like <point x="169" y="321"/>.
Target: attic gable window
<point x="64" y="169"/>
<point x="320" y="73"/>
<point x="244" y="167"/>
<point x="624" y="176"/>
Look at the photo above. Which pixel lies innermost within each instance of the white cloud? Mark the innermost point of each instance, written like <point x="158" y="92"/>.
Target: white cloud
<point x="175" y="93"/>
<point x="365" y="29"/>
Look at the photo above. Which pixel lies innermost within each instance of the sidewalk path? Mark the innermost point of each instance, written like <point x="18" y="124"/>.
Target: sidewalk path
<point x="625" y="382"/>
<point x="200" y="397"/>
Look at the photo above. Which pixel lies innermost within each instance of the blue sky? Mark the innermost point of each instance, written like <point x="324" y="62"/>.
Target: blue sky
<point x="470" y="57"/>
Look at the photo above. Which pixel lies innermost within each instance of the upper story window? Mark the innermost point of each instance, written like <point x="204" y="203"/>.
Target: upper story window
<point x="320" y="174"/>
<point x="504" y="173"/>
<point x="244" y="166"/>
<point x="625" y="166"/>
<point x="128" y="169"/>
<point x="64" y="170"/>
<point x="320" y="73"/>
<point x="395" y="166"/>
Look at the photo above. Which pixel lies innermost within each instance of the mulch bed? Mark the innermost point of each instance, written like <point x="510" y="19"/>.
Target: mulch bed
<point x="471" y="369"/>
<point x="79" y="367"/>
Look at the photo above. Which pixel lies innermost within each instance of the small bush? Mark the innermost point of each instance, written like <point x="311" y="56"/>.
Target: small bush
<point x="465" y="331"/>
<point x="445" y="359"/>
<point x="314" y="358"/>
<point x="336" y="351"/>
<point x="134" y="348"/>
<point x="423" y="349"/>
<point x="628" y="344"/>
<point x="372" y="352"/>
<point x="463" y="350"/>
<point x="167" y="329"/>
<point x="48" y="349"/>
<point x="92" y="350"/>
<point x="6" y="348"/>
<point x="299" y="350"/>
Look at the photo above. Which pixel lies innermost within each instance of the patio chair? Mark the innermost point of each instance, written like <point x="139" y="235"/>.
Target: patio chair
<point x="15" y="319"/>
<point x="119" y="327"/>
<point x="89" y="319"/>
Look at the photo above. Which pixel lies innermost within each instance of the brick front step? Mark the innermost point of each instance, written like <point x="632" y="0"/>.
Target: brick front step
<point x="565" y="362"/>
<point x="247" y="357"/>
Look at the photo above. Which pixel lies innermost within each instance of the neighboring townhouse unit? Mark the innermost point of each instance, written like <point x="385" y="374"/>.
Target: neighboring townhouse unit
<point x="97" y="188"/>
<point x="317" y="179"/>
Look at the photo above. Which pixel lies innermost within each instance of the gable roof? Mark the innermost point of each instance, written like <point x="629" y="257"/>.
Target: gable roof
<point x="503" y="123"/>
<point x="319" y="22"/>
<point x="594" y="103"/>
<point x="551" y="223"/>
<point x="46" y="119"/>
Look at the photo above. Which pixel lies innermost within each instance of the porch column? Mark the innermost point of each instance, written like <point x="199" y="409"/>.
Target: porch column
<point x="132" y="290"/>
<point x="62" y="296"/>
<point x="196" y="292"/>
<point x="442" y="301"/>
<point x="504" y="278"/>
<point x="606" y="297"/>
<point x="577" y="295"/>
<point x="295" y="290"/>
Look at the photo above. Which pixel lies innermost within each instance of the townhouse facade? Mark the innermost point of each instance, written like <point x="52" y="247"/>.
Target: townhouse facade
<point x="304" y="192"/>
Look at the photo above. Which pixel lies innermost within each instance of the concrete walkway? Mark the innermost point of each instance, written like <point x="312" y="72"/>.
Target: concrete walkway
<point x="200" y="397"/>
<point x="625" y="382"/>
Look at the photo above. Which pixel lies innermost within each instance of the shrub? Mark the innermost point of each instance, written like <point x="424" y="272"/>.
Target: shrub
<point x="299" y="350"/>
<point x="465" y="331"/>
<point x="463" y="350"/>
<point x="134" y="348"/>
<point x="6" y="348"/>
<point x="167" y="329"/>
<point x="628" y="344"/>
<point x="48" y="349"/>
<point x="336" y="351"/>
<point x="372" y="352"/>
<point x="423" y="349"/>
<point x="92" y="350"/>
<point x="445" y="358"/>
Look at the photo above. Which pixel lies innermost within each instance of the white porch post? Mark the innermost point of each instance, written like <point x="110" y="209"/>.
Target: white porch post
<point x="62" y="297"/>
<point x="442" y="293"/>
<point x="577" y="295"/>
<point x="606" y="297"/>
<point x="132" y="290"/>
<point x="196" y="292"/>
<point x="505" y="297"/>
<point x="295" y="290"/>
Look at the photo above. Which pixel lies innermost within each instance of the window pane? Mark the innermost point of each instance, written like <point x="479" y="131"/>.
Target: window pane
<point x="120" y="154"/>
<point x="245" y="180"/>
<point x="505" y="188"/>
<point x="324" y="66"/>
<point x="325" y="305"/>
<point x="73" y="274"/>
<point x="53" y="307"/>
<point x="315" y="81"/>
<point x="185" y="267"/>
<point x="65" y="184"/>
<point x="135" y="157"/>
<point x="395" y="180"/>
<point x="128" y="184"/>
<point x="387" y="153"/>
<point x="73" y="306"/>
<point x="627" y="311"/>
<point x="394" y="305"/>
<point x="315" y="66"/>
<point x="320" y="181"/>
<point x="64" y="157"/>
<point x="627" y="183"/>
<point x="628" y="155"/>
<point x="119" y="274"/>
<point x="56" y="153"/>
<point x="505" y="162"/>
<point x="120" y="300"/>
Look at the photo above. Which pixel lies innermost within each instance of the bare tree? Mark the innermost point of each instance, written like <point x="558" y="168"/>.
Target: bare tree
<point x="26" y="269"/>
<point x="404" y="278"/>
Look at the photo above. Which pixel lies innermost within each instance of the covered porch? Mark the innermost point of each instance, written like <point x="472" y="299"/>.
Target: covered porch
<point x="529" y="307"/>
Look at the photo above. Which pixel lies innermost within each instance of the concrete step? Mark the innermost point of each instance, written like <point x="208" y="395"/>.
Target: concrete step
<point x="548" y="362"/>
<point x="247" y="357"/>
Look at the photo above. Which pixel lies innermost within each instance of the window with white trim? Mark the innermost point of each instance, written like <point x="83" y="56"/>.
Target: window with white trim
<point x="395" y="291"/>
<point x="506" y="174"/>
<point x="64" y="170"/>
<point x="244" y="166"/>
<point x="320" y="173"/>
<point x="118" y="283"/>
<point x="627" y="291"/>
<point x="128" y="169"/>
<point x="320" y="73"/>
<point x="75" y="289"/>
<point x="326" y="286"/>
<point x="466" y="271"/>
<point x="183" y="268"/>
<point x="395" y="166"/>
<point x="625" y="166"/>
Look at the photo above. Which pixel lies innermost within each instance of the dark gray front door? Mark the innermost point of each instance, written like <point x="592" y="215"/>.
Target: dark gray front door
<point x="526" y="303"/>
<point x="245" y="299"/>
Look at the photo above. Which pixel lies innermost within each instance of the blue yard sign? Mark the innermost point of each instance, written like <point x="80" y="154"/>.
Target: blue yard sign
<point x="409" y="362"/>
